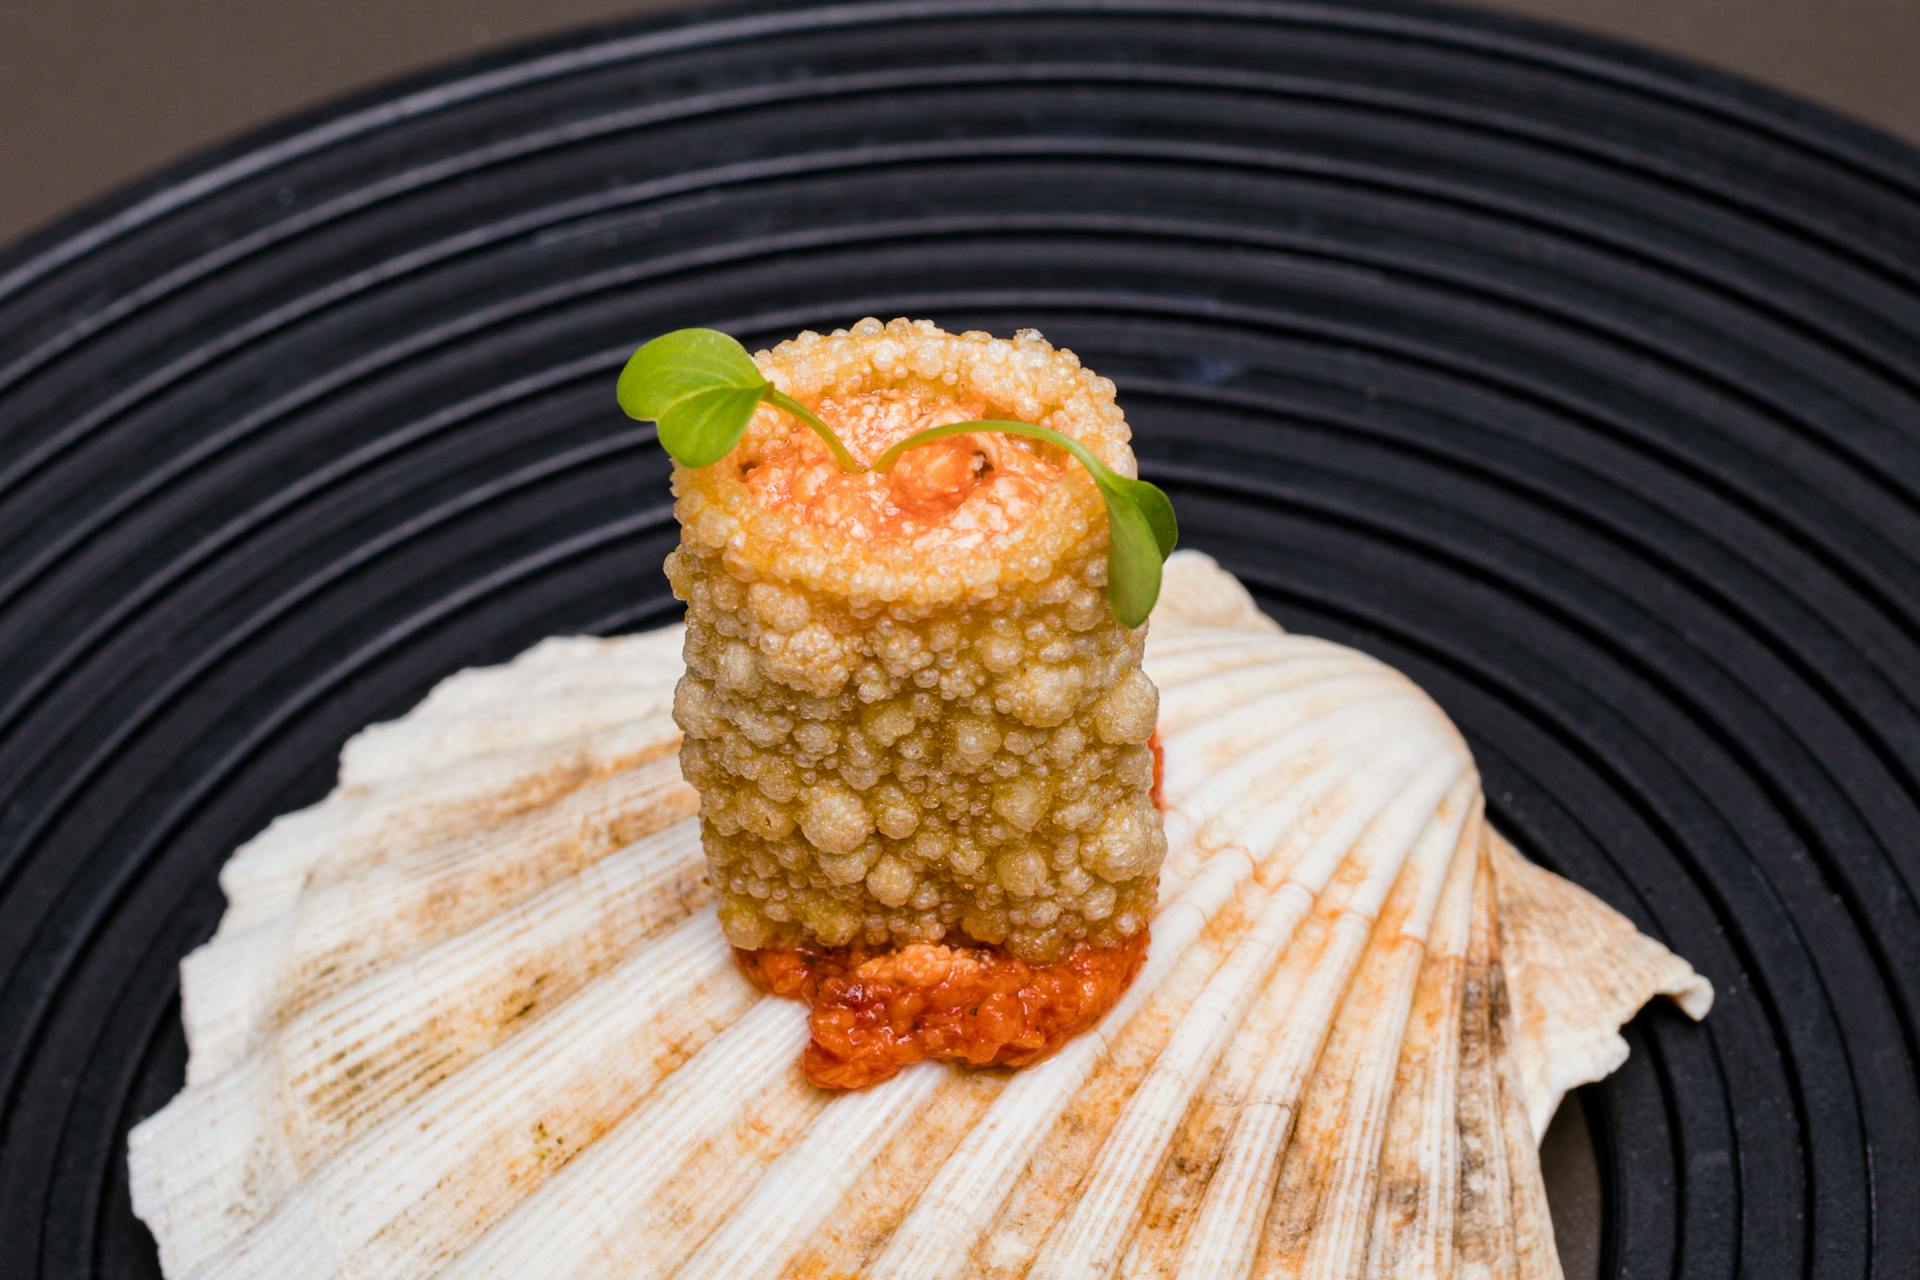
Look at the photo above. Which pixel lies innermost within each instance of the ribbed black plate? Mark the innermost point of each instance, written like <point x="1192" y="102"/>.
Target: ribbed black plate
<point x="1582" y="384"/>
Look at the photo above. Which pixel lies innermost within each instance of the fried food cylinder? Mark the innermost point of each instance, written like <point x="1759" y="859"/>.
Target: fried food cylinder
<point x="908" y="712"/>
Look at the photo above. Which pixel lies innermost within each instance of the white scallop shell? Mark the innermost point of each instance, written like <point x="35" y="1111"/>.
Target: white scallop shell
<point x="472" y="1016"/>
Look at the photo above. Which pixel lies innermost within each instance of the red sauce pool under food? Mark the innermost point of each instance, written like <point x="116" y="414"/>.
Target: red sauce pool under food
<point x="875" y="1012"/>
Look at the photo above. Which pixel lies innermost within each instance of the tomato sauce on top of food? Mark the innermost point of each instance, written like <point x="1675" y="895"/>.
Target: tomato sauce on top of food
<point x="961" y="490"/>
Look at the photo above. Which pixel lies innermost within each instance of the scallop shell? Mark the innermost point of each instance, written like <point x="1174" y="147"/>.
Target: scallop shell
<point x="471" y="1015"/>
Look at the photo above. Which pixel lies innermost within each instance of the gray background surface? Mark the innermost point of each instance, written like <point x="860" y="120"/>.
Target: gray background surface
<point x="96" y="92"/>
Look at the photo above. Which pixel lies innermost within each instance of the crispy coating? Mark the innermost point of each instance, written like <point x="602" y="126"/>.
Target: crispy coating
<point x="903" y="738"/>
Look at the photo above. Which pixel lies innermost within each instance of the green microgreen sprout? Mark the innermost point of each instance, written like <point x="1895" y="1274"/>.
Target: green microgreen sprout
<point x="701" y="388"/>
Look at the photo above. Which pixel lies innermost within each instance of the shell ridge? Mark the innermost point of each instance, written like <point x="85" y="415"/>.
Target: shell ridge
<point x="1258" y="813"/>
<point x="1332" y="717"/>
<point x="622" y="1182"/>
<point x="1227" y="1230"/>
<point x="808" y="1178"/>
<point x="955" y="1203"/>
<point x="961" y="1196"/>
<point x="477" y="988"/>
<point x="1089" y="1241"/>
<point x="1348" y="1103"/>
<point x="1416" y="1184"/>
<point x="1220" y="706"/>
<point x="1324" y="1212"/>
<point x="422" y="899"/>
<point x="586" y="786"/>
<point x="1483" y="1240"/>
<point x="1535" y="1256"/>
<point x="560" y="665"/>
<point x="266" y="875"/>
<point x="604" y="679"/>
<point x="401" y="753"/>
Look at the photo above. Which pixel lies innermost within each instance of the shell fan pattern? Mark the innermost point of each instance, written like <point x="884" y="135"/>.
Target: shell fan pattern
<point x="473" y="1015"/>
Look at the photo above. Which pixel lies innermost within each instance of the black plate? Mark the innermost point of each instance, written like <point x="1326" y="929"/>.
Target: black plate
<point x="1580" y="383"/>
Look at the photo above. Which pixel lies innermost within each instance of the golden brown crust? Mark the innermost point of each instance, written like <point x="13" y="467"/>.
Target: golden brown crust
<point x="894" y="743"/>
<point x="1022" y="378"/>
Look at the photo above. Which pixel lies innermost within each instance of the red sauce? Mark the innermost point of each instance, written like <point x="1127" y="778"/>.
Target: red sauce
<point x="876" y="1012"/>
<point x="963" y="490"/>
<point x="1159" y="772"/>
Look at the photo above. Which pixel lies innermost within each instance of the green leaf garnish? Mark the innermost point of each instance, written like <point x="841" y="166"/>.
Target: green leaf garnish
<point x="702" y="387"/>
<point x="1141" y="529"/>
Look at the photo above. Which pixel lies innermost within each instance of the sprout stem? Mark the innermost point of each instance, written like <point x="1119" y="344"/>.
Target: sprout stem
<point x="781" y="400"/>
<point x="885" y="461"/>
